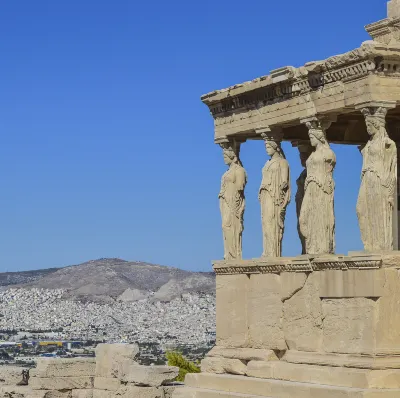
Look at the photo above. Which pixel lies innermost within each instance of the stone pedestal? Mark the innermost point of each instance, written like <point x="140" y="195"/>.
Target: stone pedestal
<point x="305" y="327"/>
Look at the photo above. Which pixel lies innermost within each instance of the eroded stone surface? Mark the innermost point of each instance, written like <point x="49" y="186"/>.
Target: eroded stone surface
<point x="232" y="309"/>
<point x="61" y="383"/>
<point x="149" y="376"/>
<point x="107" y="383"/>
<point x="265" y="312"/>
<point x="11" y="375"/>
<point x="349" y="325"/>
<point x="302" y="317"/>
<point x="82" y="393"/>
<point x="109" y="356"/>
<point x="244" y="354"/>
<point x="223" y="365"/>
<point x="60" y="367"/>
<point x="334" y="376"/>
<point x="291" y="283"/>
<point x="388" y="315"/>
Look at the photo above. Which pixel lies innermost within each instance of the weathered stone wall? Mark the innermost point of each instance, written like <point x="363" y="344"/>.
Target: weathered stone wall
<point x="113" y="373"/>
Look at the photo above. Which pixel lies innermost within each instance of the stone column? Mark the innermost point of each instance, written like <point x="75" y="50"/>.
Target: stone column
<point x="317" y="219"/>
<point x="377" y="201"/>
<point x="274" y="193"/>
<point x="305" y="150"/>
<point x="394" y="133"/>
<point x="232" y="200"/>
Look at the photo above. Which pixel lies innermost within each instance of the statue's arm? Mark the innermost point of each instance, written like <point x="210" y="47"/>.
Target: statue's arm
<point x="240" y="179"/>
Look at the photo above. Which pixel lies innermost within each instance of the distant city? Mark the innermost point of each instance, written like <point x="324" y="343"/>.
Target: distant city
<point x="37" y="321"/>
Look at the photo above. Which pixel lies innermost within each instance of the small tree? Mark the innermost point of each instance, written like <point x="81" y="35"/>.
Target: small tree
<point x="185" y="366"/>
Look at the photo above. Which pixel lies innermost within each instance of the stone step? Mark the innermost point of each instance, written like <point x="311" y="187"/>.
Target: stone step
<point x="278" y="389"/>
<point x="188" y="392"/>
<point x="333" y="376"/>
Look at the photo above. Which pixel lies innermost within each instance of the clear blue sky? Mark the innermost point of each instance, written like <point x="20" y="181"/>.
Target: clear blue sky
<point x="106" y="149"/>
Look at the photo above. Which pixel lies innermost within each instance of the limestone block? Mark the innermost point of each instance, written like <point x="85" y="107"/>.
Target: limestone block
<point x="352" y="283"/>
<point x="244" y="354"/>
<point x="11" y="375"/>
<point x="109" y="356"/>
<point x="140" y="392"/>
<point x="291" y="283"/>
<point x="184" y="392"/>
<point x="223" y="365"/>
<point x="50" y="394"/>
<point x="58" y="367"/>
<point x="107" y="383"/>
<point x="302" y="317"/>
<point x="82" y="393"/>
<point x="349" y="325"/>
<point x="103" y="394"/>
<point x="251" y="386"/>
<point x="61" y="383"/>
<point x="388" y="315"/>
<point x="334" y="376"/>
<point x="265" y="312"/>
<point x="152" y="376"/>
<point x="343" y="360"/>
<point x="231" y="306"/>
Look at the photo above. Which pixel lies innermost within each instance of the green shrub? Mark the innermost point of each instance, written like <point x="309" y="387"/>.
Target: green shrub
<point x="185" y="366"/>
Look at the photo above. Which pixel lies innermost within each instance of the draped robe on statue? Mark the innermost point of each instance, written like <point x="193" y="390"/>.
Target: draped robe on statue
<point x="317" y="220"/>
<point x="299" y="201"/>
<point x="274" y="197"/>
<point x="376" y="197"/>
<point x="232" y="204"/>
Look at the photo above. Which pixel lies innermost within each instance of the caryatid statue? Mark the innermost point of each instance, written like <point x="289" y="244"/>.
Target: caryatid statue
<point x="274" y="194"/>
<point x="317" y="220"/>
<point x="378" y="183"/>
<point x="305" y="150"/>
<point x="232" y="200"/>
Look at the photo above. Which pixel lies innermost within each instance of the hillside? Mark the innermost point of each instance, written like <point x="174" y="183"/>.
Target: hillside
<point x="14" y="278"/>
<point x="112" y="279"/>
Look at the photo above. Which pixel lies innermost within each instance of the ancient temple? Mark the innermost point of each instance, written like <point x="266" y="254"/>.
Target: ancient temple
<point x="319" y="325"/>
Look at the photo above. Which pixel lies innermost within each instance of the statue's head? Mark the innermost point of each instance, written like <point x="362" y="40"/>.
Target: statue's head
<point x="230" y="150"/>
<point x="375" y="120"/>
<point x="317" y="136"/>
<point x="272" y="147"/>
<point x="229" y="156"/>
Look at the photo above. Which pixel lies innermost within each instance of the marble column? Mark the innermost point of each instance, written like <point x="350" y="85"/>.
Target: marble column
<point x="317" y="219"/>
<point x="377" y="199"/>
<point x="305" y="150"/>
<point x="274" y="193"/>
<point x="232" y="200"/>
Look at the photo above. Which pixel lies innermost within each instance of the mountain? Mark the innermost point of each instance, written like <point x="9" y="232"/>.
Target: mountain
<point x="14" y="278"/>
<point x="110" y="279"/>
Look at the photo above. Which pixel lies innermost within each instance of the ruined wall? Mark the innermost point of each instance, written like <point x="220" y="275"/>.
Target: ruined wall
<point x="113" y="373"/>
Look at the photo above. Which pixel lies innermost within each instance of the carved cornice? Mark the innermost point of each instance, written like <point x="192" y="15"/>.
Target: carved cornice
<point x="299" y="264"/>
<point x="256" y="96"/>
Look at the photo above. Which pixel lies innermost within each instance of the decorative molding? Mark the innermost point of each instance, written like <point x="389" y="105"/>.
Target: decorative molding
<point x="253" y="99"/>
<point x="299" y="264"/>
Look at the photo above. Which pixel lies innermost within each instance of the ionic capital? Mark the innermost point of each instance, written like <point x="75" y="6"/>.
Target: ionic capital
<point x="371" y="107"/>
<point x="317" y="122"/>
<point x="270" y="133"/>
<point x="229" y="144"/>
